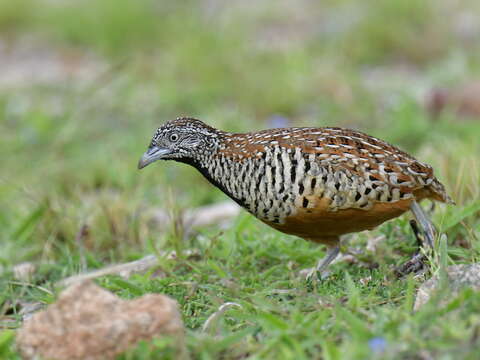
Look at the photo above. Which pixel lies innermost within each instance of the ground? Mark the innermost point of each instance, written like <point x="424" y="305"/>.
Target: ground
<point x="83" y="85"/>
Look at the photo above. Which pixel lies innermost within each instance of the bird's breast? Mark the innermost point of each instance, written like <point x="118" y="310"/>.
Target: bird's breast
<point x="276" y="183"/>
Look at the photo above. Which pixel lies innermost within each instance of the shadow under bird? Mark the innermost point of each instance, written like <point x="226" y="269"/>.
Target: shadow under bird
<point x="315" y="183"/>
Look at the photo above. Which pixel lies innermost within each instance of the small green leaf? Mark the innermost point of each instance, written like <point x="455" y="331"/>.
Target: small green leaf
<point x="6" y="341"/>
<point x="358" y="327"/>
<point x="457" y="217"/>
<point x="29" y="222"/>
<point x="353" y="292"/>
<point x="273" y="321"/>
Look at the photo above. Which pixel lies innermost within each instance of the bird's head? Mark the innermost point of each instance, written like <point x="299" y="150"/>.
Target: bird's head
<point x="183" y="139"/>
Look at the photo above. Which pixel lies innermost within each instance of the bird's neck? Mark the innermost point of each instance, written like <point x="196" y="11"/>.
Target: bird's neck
<point x="218" y="168"/>
<point x="259" y="178"/>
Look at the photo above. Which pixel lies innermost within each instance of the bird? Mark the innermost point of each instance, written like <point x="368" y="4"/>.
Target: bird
<point x="317" y="183"/>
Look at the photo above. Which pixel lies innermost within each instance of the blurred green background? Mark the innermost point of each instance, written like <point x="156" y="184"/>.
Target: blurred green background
<point x="83" y="85"/>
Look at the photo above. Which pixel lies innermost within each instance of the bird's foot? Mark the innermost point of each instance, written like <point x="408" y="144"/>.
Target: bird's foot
<point x="320" y="272"/>
<point x="313" y="274"/>
<point x="416" y="265"/>
<point x="418" y="262"/>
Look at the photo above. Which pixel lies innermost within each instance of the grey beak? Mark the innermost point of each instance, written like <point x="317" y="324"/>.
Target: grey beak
<point x="152" y="155"/>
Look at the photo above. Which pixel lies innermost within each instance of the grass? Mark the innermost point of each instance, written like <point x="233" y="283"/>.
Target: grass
<point x="69" y="151"/>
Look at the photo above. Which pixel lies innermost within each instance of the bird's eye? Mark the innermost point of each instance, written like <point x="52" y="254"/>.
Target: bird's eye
<point x="173" y="137"/>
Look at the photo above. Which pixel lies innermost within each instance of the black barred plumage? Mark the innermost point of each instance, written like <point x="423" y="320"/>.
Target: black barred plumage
<point x="317" y="183"/>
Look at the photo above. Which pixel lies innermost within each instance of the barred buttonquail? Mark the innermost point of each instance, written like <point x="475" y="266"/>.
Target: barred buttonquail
<point x="316" y="183"/>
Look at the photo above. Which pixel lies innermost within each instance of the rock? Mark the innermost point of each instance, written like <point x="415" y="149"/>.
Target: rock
<point x="88" y="322"/>
<point x="24" y="271"/>
<point x="459" y="277"/>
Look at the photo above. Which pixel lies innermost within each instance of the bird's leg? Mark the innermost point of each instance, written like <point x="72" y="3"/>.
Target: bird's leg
<point x="427" y="226"/>
<point x="322" y="265"/>
<point x="425" y="235"/>
<point x="416" y="263"/>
